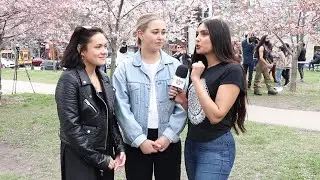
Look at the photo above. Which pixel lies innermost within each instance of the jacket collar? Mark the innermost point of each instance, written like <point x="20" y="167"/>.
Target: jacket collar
<point x="164" y="58"/>
<point x="84" y="78"/>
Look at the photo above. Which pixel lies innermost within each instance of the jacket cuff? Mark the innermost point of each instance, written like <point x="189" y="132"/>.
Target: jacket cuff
<point x="139" y="140"/>
<point x="120" y="149"/>
<point x="168" y="133"/>
<point x="105" y="166"/>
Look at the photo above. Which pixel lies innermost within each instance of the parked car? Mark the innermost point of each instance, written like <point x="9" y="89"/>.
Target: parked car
<point x="6" y="63"/>
<point x="49" y="64"/>
<point x="37" y="61"/>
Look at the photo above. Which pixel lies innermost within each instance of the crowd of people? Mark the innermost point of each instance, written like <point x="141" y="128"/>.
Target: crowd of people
<point x="269" y="61"/>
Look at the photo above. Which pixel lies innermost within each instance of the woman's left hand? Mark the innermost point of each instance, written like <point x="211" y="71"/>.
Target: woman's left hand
<point x="164" y="142"/>
<point x="120" y="161"/>
<point x="197" y="70"/>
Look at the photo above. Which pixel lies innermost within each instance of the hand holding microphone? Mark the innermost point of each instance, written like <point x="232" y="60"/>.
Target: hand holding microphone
<point x="178" y="83"/>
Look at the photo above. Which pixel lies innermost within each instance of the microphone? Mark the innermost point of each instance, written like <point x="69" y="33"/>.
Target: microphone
<point x="179" y="79"/>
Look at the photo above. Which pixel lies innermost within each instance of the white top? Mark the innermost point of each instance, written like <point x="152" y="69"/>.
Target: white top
<point x="153" y="110"/>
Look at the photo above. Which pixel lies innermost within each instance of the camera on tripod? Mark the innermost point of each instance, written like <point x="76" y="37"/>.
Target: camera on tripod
<point x="254" y="40"/>
<point x="15" y="74"/>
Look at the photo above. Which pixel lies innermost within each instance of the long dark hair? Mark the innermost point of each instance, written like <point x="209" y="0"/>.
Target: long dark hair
<point x="221" y="42"/>
<point x="220" y="38"/>
<point x="261" y="43"/>
<point x="78" y="42"/>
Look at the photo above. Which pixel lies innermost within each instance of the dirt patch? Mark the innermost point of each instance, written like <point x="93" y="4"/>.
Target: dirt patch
<point x="9" y="100"/>
<point x="14" y="159"/>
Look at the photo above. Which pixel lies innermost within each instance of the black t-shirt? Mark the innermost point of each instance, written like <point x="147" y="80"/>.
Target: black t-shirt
<point x="199" y="127"/>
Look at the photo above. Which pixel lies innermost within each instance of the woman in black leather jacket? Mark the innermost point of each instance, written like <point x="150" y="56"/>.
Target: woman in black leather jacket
<point x="91" y="142"/>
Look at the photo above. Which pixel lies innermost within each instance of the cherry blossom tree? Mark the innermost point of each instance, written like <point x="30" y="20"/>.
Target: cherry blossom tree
<point x="294" y="20"/>
<point x="17" y="17"/>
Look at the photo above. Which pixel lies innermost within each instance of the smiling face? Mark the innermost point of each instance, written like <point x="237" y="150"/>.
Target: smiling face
<point x="153" y="37"/>
<point x="203" y="41"/>
<point x="95" y="52"/>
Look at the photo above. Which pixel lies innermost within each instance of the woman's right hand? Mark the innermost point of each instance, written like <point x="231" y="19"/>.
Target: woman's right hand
<point x="149" y="147"/>
<point x="112" y="164"/>
<point x="178" y="95"/>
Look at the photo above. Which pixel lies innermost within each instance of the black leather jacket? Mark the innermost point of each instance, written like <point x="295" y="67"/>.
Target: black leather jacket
<point x="82" y="125"/>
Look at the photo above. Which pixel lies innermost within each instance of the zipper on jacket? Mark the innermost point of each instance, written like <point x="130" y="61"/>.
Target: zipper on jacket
<point x="105" y="143"/>
<point x="89" y="104"/>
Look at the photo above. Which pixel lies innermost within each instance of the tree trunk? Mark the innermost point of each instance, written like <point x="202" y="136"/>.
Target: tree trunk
<point x="1" y="40"/>
<point x="300" y="40"/>
<point x="113" y="55"/>
<point x="293" y="84"/>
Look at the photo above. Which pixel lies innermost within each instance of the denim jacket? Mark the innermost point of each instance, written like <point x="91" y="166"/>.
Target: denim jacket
<point x="132" y="85"/>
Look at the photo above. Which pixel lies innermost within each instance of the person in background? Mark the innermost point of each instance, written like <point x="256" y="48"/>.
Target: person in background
<point x="315" y="59"/>
<point x="122" y="53"/>
<point x="237" y="49"/>
<point x="301" y="61"/>
<point x="91" y="142"/>
<point x="287" y="66"/>
<point x="150" y="121"/>
<point x="263" y="66"/>
<point x="279" y="60"/>
<point x="248" y="45"/>
<point x="182" y="55"/>
<point x="270" y="59"/>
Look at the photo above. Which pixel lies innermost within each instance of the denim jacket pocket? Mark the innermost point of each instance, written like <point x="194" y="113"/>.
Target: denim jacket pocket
<point x="134" y="92"/>
<point x="163" y="90"/>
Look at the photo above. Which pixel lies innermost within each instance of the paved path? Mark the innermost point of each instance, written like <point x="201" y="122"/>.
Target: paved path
<point x="292" y="118"/>
<point x="25" y="87"/>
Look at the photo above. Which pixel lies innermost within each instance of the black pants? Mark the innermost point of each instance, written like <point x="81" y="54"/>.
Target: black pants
<point x="300" y="69"/>
<point x="166" y="165"/>
<point x="286" y="76"/>
<point x="73" y="167"/>
<point x="312" y="63"/>
<point x="249" y="67"/>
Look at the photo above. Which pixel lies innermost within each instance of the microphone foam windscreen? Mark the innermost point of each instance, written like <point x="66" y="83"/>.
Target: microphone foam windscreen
<point x="182" y="71"/>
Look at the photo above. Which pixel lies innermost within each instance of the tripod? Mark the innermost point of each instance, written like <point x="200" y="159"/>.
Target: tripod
<point x="15" y="74"/>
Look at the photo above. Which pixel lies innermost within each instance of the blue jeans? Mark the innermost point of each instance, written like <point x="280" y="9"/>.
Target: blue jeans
<point x="278" y="75"/>
<point x="211" y="160"/>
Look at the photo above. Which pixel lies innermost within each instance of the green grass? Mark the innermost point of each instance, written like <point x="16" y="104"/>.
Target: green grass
<point x="264" y="152"/>
<point x="10" y="176"/>
<point x="307" y="96"/>
<point x="42" y="76"/>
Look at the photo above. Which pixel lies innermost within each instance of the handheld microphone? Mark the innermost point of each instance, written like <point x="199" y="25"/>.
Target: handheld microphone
<point x="179" y="79"/>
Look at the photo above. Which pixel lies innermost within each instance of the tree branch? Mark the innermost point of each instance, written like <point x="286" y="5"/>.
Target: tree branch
<point x="133" y="8"/>
<point x="109" y="8"/>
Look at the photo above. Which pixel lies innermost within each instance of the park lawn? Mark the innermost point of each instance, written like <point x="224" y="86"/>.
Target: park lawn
<point x="41" y="76"/>
<point x="29" y="121"/>
<point x="307" y="96"/>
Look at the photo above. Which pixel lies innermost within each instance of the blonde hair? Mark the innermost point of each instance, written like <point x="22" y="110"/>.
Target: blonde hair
<point x="142" y="24"/>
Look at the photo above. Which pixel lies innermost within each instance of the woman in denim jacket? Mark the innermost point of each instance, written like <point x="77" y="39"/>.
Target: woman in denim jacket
<point x="150" y="121"/>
